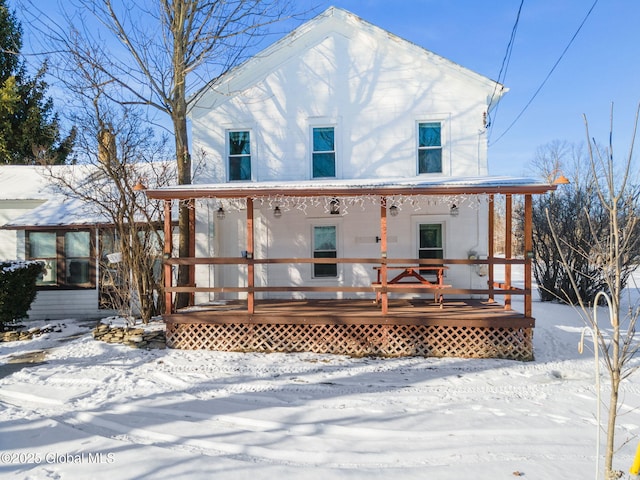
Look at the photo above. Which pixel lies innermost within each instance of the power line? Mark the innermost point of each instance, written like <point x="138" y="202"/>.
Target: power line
<point x="584" y="20"/>
<point x="505" y="65"/>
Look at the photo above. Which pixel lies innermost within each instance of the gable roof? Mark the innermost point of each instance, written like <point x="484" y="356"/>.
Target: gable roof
<point x="332" y="20"/>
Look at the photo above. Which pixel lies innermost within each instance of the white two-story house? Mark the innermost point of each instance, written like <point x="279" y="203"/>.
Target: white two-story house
<point x="342" y="163"/>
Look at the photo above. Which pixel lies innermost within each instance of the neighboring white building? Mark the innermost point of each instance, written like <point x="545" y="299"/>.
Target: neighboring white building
<point x="72" y="237"/>
<point x="342" y="102"/>
<point x="22" y="189"/>
<point x="40" y="224"/>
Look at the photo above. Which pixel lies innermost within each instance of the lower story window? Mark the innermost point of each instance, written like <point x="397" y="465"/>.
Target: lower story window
<point x="114" y="279"/>
<point x="325" y="246"/>
<point x="42" y="246"/>
<point x="430" y="240"/>
<point x="66" y="255"/>
<point x="77" y="258"/>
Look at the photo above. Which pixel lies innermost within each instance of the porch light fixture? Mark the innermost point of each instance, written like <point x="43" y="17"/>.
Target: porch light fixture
<point x="220" y="213"/>
<point x="139" y="186"/>
<point x="334" y="207"/>
<point x="394" y="210"/>
<point x="557" y="178"/>
<point x="277" y="212"/>
<point x="454" y="211"/>
<point x="561" y="180"/>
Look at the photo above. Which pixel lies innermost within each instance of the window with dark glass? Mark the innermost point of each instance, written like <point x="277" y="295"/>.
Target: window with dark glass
<point x="66" y="255"/>
<point x="42" y="246"/>
<point x="324" y="152"/>
<point x="430" y="147"/>
<point x="239" y="155"/>
<point x="325" y="246"/>
<point x="430" y="241"/>
<point x="77" y="250"/>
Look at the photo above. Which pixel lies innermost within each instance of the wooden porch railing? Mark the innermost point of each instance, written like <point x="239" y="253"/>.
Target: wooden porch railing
<point x="505" y="288"/>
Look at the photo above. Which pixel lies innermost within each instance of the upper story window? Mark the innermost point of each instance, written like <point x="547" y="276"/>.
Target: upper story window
<point x="239" y="155"/>
<point x="66" y="255"/>
<point x="430" y="147"/>
<point x="324" y="152"/>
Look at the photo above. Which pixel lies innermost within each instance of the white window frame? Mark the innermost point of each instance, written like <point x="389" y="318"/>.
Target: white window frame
<point x="321" y="122"/>
<point x="320" y="222"/>
<point x="312" y="128"/>
<point x="418" y="220"/>
<point x="228" y="155"/>
<point x="445" y="167"/>
<point x="442" y="236"/>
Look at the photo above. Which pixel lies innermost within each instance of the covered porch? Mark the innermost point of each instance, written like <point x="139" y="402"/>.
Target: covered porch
<point x="383" y="317"/>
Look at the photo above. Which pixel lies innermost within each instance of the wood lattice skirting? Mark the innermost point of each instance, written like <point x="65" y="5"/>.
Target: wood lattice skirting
<point x="514" y="343"/>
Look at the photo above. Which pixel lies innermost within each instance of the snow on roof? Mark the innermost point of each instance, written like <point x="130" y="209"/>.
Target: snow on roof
<point x="60" y="211"/>
<point x="19" y="182"/>
<point x="24" y="182"/>
<point x="29" y="182"/>
<point x="418" y="186"/>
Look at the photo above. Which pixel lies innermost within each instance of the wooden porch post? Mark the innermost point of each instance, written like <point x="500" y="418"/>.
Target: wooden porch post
<point x="192" y="248"/>
<point x="528" y="253"/>
<point x="507" y="248"/>
<point x="384" y="298"/>
<point x="168" y="247"/>
<point x="491" y="245"/>
<point x="250" y="265"/>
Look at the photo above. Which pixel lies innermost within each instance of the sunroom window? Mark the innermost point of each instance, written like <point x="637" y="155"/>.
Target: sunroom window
<point x="42" y="246"/>
<point x="430" y="147"/>
<point x="77" y="249"/>
<point x="66" y="255"/>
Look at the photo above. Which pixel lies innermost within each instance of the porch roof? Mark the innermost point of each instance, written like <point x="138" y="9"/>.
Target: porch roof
<point x="335" y="187"/>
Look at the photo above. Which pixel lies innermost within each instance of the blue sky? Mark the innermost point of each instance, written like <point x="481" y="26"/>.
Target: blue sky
<point x="600" y="68"/>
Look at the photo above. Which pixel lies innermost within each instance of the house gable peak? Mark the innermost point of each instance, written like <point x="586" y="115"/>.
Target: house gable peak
<point x="332" y="21"/>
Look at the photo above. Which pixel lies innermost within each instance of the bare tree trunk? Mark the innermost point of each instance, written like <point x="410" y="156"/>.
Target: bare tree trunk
<point x="615" y="250"/>
<point x="611" y="424"/>
<point x="163" y="64"/>
<point x="184" y="178"/>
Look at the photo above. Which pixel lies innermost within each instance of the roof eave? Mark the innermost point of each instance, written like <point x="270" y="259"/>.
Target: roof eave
<point x="182" y="193"/>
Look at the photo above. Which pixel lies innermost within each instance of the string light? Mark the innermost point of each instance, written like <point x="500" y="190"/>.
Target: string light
<point x="346" y="204"/>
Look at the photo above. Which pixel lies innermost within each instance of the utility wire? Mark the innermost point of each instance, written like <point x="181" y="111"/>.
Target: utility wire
<point x="503" y="68"/>
<point x="584" y="20"/>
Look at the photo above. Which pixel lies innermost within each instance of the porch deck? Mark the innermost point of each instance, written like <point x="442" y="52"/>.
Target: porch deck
<point x="463" y="328"/>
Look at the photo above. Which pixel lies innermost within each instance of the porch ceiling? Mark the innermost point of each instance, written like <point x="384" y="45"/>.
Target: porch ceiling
<point x="338" y="188"/>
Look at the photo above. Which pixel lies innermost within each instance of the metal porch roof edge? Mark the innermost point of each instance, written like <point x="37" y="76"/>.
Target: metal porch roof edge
<point x="334" y="187"/>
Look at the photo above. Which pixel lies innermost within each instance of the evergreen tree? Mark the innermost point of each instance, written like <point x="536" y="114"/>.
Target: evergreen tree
<point x="29" y="127"/>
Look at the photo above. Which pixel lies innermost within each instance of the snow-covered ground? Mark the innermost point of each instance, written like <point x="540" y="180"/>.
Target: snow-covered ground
<point x="102" y="411"/>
